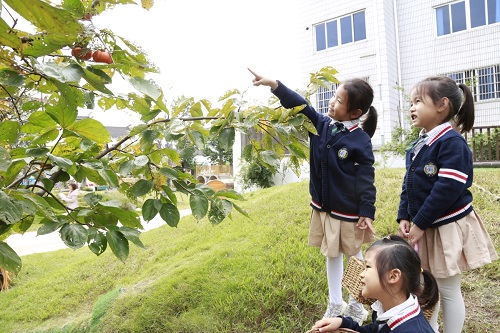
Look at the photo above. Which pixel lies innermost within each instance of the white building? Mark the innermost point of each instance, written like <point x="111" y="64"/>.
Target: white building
<point x="396" y="43"/>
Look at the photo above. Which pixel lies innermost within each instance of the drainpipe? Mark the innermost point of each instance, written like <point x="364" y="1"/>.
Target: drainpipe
<point x="398" y="57"/>
<point x="379" y="71"/>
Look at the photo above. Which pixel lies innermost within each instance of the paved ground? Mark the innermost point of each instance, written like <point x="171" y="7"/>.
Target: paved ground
<point x="31" y="243"/>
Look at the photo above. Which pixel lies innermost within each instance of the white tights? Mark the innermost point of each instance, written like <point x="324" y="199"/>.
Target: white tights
<point x="453" y="305"/>
<point x="334" y="273"/>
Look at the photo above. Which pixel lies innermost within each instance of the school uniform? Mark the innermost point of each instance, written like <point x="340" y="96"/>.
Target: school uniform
<point x="341" y="178"/>
<point x="404" y="318"/>
<point x="435" y="196"/>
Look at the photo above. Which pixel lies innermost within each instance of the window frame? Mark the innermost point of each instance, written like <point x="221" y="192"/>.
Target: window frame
<point x="441" y="21"/>
<point x="474" y="78"/>
<point x="339" y="31"/>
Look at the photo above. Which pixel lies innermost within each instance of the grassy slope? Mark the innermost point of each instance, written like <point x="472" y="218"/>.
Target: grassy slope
<point x="244" y="275"/>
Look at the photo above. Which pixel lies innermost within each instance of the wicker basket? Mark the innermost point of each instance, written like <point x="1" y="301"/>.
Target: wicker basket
<point x="352" y="282"/>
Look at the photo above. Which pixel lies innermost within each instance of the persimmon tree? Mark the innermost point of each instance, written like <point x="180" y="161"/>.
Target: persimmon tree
<point x="47" y="75"/>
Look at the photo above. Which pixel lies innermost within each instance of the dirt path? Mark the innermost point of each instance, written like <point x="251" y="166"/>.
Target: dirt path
<point x="30" y="243"/>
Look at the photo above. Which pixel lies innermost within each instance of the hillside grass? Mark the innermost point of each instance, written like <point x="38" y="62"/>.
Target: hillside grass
<point x="243" y="275"/>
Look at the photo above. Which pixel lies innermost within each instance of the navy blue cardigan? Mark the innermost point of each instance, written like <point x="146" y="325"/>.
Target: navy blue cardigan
<point x="435" y="188"/>
<point x="341" y="166"/>
<point x="410" y="321"/>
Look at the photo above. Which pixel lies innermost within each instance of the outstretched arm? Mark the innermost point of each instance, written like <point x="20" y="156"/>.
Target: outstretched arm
<point x="263" y="81"/>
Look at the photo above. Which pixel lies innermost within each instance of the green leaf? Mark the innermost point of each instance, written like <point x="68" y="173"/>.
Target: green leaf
<point x="49" y="226"/>
<point x="41" y="205"/>
<point x="74" y="235"/>
<point x="241" y="210"/>
<point x="11" y="211"/>
<point x="63" y="163"/>
<point x="61" y="72"/>
<point x="170" y="194"/>
<point x="149" y="210"/>
<point x="231" y="194"/>
<point x="197" y="138"/>
<point x="97" y="241"/>
<point x="141" y="188"/>
<point x="132" y="235"/>
<point x="92" y="199"/>
<point x="12" y="78"/>
<point x="24" y="224"/>
<point x="63" y="113"/>
<point x="141" y="160"/>
<point x="46" y="17"/>
<point x="126" y="217"/>
<point x="199" y="205"/>
<point x="7" y="38"/>
<point x="297" y="150"/>
<point x="169" y="172"/>
<point x="226" y="138"/>
<point x="9" y="259"/>
<point x="96" y="80"/>
<point x="147" y="87"/>
<point x="270" y="157"/>
<point x="216" y="214"/>
<point x="37" y="122"/>
<point x="170" y="214"/>
<point x="5" y="160"/>
<point x="13" y="171"/>
<point x="91" y="129"/>
<point x="172" y="154"/>
<point x="110" y="177"/>
<point x="9" y="131"/>
<point x="118" y="244"/>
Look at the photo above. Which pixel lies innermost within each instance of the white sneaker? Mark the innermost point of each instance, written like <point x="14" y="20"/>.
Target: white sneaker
<point x="334" y="310"/>
<point x="357" y="314"/>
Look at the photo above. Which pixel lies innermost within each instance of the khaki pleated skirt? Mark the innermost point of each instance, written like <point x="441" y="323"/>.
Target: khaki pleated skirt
<point x="456" y="247"/>
<point x="334" y="236"/>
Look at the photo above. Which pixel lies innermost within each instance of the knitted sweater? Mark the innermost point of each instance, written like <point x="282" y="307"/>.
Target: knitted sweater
<point x="435" y="188"/>
<point x="341" y="165"/>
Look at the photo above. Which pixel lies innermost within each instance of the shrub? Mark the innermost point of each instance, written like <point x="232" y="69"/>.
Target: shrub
<point x="254" y="174"/>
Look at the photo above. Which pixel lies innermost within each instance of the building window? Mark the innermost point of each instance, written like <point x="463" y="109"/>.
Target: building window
<point x="346" y="29"/>
<point x="323" y="96"/>
<point x="452" y="17"/>
<point x="484" y="82"/>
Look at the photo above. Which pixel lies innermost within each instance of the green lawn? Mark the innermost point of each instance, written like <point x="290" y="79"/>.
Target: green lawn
<point x="244" y="275"/>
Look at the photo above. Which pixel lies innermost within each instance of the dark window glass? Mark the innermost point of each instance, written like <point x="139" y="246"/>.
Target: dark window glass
<point x="443" y="20"/>
<point x="320" y="37"/>
<point x="477" y="13"/>
<point x="359" y="26"/>
<point x="493" y="11"/>
<point x="331" y="34"/>
<point x="498" y="80"/>
<point x="486" y="83"/>
<point x="458" y="22"/>
<point x="346" y="29"/>
<point x="457" y="77"/>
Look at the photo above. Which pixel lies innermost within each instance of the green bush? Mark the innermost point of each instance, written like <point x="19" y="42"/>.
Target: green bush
<point x="255" y="174"/>
<point x="479" y="145"/>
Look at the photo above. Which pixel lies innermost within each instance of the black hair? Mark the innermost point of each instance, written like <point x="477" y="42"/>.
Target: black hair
<point x="394" y="252"/>
<point x="459" y="95"/>
<point x="360" y="96"/>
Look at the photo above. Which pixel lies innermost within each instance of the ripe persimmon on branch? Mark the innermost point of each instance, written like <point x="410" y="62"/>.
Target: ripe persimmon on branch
<point x="45" y="81"/>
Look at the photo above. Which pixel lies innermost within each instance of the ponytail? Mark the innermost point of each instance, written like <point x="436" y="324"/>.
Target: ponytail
<point x="459" y="96"/>
<point x="428" y="295"/>
<point x="465" y="114"/>
<point x="370" y="122"/>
